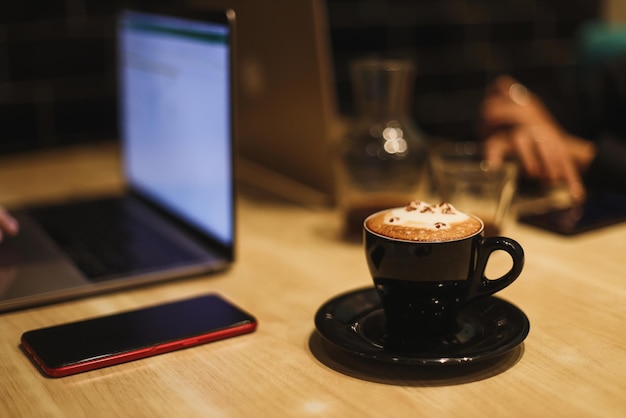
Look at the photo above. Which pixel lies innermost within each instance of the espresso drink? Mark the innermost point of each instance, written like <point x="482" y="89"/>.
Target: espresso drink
<point x="423" y="222"/>
<point x="427" y="262"/>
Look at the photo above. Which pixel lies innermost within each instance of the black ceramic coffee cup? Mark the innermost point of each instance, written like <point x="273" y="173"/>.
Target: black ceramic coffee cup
<point x="423" y="285"/>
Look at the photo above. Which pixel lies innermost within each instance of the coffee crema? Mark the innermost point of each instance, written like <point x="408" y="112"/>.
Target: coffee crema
<point x="424" y="222"/>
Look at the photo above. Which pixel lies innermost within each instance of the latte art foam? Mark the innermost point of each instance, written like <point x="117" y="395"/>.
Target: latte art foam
<point x="421" y="221"/>
<point x="423" y="215"/>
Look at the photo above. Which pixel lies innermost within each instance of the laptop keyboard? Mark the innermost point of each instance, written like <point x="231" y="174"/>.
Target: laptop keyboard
<point x="105" y="241"/>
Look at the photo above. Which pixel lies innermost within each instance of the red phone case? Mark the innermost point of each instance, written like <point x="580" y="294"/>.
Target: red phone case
<point x="223" y="320"/>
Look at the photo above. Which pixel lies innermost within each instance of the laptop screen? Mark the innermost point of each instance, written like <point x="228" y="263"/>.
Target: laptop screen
<point x="176" y="127"/>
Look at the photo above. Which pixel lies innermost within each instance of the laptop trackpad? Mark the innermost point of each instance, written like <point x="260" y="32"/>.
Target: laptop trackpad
<point x="31" y="280"/>
<point x="30" y="265"/>
<point x="29" y="246"/>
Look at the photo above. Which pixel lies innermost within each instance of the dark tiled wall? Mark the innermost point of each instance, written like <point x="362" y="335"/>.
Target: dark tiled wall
<point x="459" y="46"/>
<point x="57" y="80"/>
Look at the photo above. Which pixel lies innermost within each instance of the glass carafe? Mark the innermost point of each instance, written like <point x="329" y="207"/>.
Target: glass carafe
<point x="381" y="160"/>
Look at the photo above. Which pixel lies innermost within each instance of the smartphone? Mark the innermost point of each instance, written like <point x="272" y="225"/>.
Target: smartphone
<point x="598" y="211"/>
<point x="90" y="344"/>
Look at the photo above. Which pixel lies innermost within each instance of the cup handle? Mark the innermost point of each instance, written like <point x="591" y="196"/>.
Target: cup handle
<point x="480" y="284"/>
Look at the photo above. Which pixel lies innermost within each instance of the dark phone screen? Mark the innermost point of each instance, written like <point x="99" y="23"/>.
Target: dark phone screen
<point x="95" y="338"/>
<point x="599" y="210"/>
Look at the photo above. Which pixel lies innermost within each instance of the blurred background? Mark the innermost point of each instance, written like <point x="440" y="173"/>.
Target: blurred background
<point x="57" y="78"/>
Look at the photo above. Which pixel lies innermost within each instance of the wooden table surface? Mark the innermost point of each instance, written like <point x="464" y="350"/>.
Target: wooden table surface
<point x="290" y="261"/>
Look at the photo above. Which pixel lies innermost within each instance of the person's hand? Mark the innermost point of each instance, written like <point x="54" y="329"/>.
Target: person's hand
<point x="8" y="224"/>
<point x="514" y="121"/>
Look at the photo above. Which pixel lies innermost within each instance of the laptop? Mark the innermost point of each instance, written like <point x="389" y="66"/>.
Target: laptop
<point x="287" y="105"/>
<point x="176" y="217"/>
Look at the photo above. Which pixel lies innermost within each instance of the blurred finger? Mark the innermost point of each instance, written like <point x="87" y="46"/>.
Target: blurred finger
<point x="556" y="163"/>
<point x="548" y="153"/>
<point x="523" y="143"/>
<point x="8" y="224"/>
<point x="497" y="147"/>
<point x="502" y="110"/>
<point x="519" y="94"/>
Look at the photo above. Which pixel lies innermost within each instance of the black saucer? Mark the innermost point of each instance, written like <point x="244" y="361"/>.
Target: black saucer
<point x="487" y="328"/>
